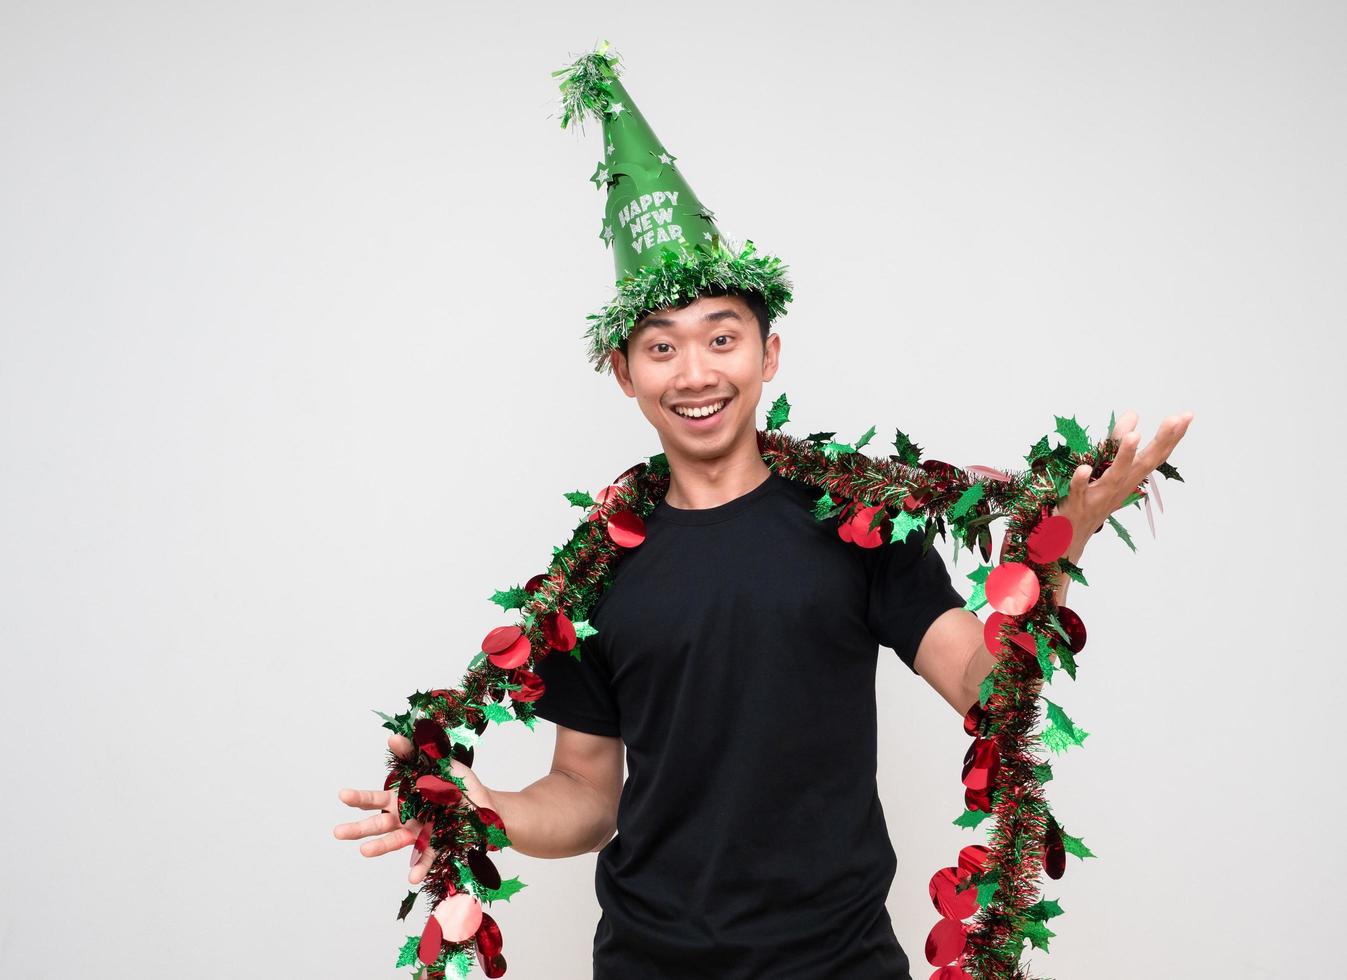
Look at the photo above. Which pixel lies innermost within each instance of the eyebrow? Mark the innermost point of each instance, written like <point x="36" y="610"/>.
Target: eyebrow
<point x="664" y="321"/>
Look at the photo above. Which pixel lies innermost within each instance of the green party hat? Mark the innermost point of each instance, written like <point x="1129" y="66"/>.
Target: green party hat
<point x="665" y="241"/>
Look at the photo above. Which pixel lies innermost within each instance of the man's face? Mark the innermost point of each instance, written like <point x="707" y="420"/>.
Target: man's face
<point x="708" y="353"/>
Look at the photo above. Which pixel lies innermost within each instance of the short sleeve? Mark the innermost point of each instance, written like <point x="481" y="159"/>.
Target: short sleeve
<point x="908" y="592"/>
<point x="578" y="693"/>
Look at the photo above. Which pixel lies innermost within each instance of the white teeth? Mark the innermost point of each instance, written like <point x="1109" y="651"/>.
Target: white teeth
<point x="698" y="413"/>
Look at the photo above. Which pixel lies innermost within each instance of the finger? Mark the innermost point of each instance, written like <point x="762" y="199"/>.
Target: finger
<point x="1166" y="438"/>
<point x="400" y="745"/>
<point x="366" y="799"/>
<point x="389" y="842"/>
<point x="422" y="866"/>
<point x="1126" y="424"/>
<point x="1119" y="475"/>
<point x="380" y="824"/>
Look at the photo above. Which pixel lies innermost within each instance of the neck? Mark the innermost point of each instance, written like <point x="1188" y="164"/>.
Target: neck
<point x="696" y="484"/>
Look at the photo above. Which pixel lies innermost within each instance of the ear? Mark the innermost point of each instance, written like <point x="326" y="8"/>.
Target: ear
<point x="771" y="356"/>
<point x="621" y="371"/>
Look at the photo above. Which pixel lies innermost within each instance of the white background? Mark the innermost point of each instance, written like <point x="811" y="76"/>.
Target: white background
<point x="292" y="378"/>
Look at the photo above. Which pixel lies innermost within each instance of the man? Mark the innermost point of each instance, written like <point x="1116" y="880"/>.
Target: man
<point x="734" y="665"/>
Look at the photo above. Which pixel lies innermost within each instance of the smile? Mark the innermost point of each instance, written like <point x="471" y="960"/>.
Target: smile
<point x="702" y="418"/>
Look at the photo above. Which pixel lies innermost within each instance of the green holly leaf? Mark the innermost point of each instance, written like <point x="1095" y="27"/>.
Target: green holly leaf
<point x="971" y="818"/>
<point x="779" y="414"/>
<point x="817" y="437"/>
<point x="1043" y="650"/>
<point x="986" y="889"/>
<point x="1061" y="732"/>
<point x="1044" y="910"/>
<point x="580" y="498"/>
<point x="406" y="907"/>
<point x="398" y="724"/>
<point x="477" y="659"/>
<point x="1038" y="934"/>
<point x="512" y="598"/>
<point x="908" y="451"/>
<point x="463" y="735"/>
<point x="904" y="524"/>
<point x="1111" y="423"/>
<point x="986" y="688"/>
<point x="1067" y="660"/>
<point x="509" y="887"/>
<point x="1169" y="472"/>
<point x="407" y="955"/>
<point x="497" y="712"/>
<point x="658" y="465"/>
<point x="1070" y="430"/>
<point x="869" y="434"/>
<point x="1043" y="772"/>
<point x="1122" y="532"/>
<point x="496" y="836"/>
<point x="1076" y="846"/>
<point x="1039" y="450"/>
<point x="583" y="630"/>
<point x="461" y="963"/>
<point x="824" y="506"/>
<point x="967" y="500"/>
<point x="978" y="599"/>
<point x="834" y="449"/>
<point x="1072" y="570"/>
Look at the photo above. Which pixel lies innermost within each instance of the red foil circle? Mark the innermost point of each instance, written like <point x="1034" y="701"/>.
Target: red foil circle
<point x="990" y="632"/>
<point x="531" y="685"/>
<point x="514" y="655"/>
<point x="948" y="900"/>
<point x="438" y="790"/>
<point x="861" y="532"/>
<point x="1012" y="588"/>
<point x="951" y="972"/>
<point x="432" y="938"/>
<point x="488" y="937"/>
<point x="945" y="942"/>
<point x="1049" y="540"/>
<point x="1075" y="629"/>
<point x="429" y="737"/>
<point x="973" y="858"/>
<point x="974" y="718"/>
<point x="559" y="631"/>
<point x="626" y="529"/>
<point x="500" y="639"/>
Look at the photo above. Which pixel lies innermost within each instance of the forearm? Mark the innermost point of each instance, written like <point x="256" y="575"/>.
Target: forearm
<point x="558" y="816"/>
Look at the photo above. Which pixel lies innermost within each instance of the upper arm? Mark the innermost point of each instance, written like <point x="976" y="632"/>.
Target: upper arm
<point x="596" y="760"/>
<point x="943" y="654"/>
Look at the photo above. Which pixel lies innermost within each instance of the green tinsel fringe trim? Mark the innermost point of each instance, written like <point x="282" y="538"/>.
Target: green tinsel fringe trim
<point x="584" y="86"/>
<point x="678" y="279"/>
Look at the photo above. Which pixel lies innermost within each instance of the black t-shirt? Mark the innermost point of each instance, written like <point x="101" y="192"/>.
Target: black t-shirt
<point x="735" y="656"/>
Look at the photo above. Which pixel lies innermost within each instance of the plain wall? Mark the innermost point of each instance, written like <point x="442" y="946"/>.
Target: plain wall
<point x="292" y="379"/>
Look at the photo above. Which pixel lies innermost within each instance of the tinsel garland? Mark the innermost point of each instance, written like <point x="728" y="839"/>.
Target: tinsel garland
<point x="990" y="901"/>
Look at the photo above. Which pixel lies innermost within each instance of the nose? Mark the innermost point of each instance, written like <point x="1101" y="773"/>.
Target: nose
<point x="696" y="371"/>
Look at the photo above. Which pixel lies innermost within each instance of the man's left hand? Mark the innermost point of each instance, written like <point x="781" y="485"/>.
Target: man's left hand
<point x="1089" y="503"/>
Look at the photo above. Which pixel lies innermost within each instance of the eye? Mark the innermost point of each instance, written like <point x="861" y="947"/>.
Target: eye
<point x="726" y="337"/>
<point x="655" y="347"/>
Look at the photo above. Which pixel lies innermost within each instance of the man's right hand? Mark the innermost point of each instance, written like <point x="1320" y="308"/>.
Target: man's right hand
<point x="396" y="834"/>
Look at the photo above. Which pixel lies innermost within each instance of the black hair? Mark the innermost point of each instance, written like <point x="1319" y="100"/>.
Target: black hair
<point x="752" y="298"/>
